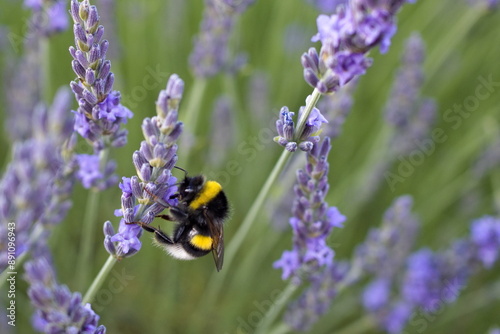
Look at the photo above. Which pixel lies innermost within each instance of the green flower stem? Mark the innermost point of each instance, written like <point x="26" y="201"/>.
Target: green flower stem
<point x="361" y="325"/>
<point x="241" y="233"/>
<point x="99" y="280"/>
<point x="276" y="309"/>
<point x="7" y="272"/>
<point x="309" y="107"/>
<point x="260" y="250"/>
<point x="281" y="328"/>
<point x="89" y="228"/>
<point x="192" y="118"/>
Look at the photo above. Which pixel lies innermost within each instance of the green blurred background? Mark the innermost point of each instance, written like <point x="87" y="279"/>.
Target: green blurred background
<point x="153" y="293"/>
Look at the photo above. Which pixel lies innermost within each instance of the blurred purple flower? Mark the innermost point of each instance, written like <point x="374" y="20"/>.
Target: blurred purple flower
<point x="211" y="54"/>
<point x="58" y="16"/>
<point x="316" y="299"/>
<point x="385" y="249"/>
<point x="222" y="129"/>
<point x="88" y="172"/>
<point x="33" y="4"/>
<point x="90" y="175"/>
<point x="107" y="13"/>
<point x="411" y="115"/>
<point x="327" y="6"/>
<point x="36" y="184"/>
<point x="49" y="16"/>
<point x="397" y="317"/>
<point x="23" y="91"/>
<point x="423" y="286"/>
<point x="429" y="280"/>
<point x="488" y="160"/>
<point x="485" y="234"/>
<point x="376" y="294"/>
<point x="57" y="309"/>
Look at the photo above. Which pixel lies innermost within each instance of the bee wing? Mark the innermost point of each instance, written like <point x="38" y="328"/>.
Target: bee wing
<point x="217" y="233"/>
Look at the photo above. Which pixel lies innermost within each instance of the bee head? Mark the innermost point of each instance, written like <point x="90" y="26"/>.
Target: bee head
<point x="191" y="187"/>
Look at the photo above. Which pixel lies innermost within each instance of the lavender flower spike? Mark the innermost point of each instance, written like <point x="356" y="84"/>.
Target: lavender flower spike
<point x="485" y="234"/>
<point x="409" y="114"/>
<point x="100" y="112"/>
<point x="49" y="17"/>
<point x="211" y="54"/>
<point x="313" y="220"/>
<point x="385" y="249"/>
<point x="153" y="162"/>
<point x="383" y="254"/>
<point x="36" y="184"/>
<point x="430" y="279"/>
<point x="58" y="310"/>
<point x="287" y="136"/>
<point x="346" y="37"/>
<point x="316" y="299"/>
<point x="311" y="259"/>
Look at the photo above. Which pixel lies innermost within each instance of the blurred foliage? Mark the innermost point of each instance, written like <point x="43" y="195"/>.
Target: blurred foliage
<point x="151" y="292"/>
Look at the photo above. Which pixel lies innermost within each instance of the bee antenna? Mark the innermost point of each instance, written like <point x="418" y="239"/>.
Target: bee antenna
<point x="182" y="169"/>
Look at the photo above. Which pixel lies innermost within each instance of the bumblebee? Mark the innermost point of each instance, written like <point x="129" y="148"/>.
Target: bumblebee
<point x="199" y="217"/>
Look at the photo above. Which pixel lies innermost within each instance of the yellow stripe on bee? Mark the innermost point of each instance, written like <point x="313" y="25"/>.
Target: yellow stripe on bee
<point x="202" y="242"/>
<point x="209" y="191"/>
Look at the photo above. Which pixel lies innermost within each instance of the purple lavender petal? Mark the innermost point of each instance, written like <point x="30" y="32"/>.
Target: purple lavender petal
<point x="346" y="37"/>
<point x="144" y="196"/>
<point x="100" y="113"/>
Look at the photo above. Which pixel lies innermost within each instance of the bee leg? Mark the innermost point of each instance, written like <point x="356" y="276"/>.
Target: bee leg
<point x="160" y="236"/>
<point x="144" y="226"/>
<point x="166" y="217"/>
<point x="179" y="214"/>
